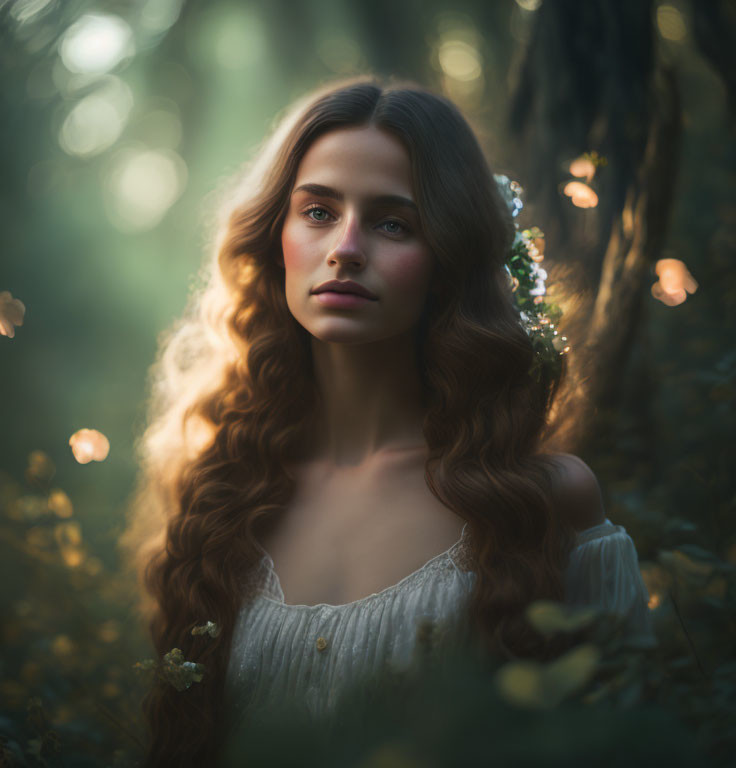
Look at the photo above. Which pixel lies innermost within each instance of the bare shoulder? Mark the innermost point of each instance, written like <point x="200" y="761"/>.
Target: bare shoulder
<point x="576" y="492"/>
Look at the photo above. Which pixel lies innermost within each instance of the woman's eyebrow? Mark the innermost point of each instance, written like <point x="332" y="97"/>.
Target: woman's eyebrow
<point x="323" y="191"/>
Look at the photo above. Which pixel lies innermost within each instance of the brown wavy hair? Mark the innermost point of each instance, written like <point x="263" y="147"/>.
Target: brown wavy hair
<point x="233" y="391"/>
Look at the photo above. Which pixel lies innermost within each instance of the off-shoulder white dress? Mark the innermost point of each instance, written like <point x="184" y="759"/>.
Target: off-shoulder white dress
<point x="307" y="653"/>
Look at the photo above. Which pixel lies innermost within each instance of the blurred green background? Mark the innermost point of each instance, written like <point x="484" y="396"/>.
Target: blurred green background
<point x="122" y="121"/>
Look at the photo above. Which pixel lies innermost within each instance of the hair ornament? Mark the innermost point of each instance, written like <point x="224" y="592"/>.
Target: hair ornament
<point x="538" y="315"/>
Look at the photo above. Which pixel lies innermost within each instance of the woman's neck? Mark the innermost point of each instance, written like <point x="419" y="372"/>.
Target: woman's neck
<point x="370" y="400"/>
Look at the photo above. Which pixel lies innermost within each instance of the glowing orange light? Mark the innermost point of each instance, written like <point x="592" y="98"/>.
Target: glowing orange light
<point x="62" y="646"/>
<point x="11" y="314"/>
<point x="60" y="504"/>
<point x="89" y="445"/>
<point x="654" y="601"/>
<point x="582" y="168"/>
<point x="581" y="194"/>
<point x="675" y="282"/>
<point x="72" y="557"/>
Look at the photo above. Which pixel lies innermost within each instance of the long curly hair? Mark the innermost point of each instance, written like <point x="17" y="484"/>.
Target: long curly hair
<point x="233" y="391"/>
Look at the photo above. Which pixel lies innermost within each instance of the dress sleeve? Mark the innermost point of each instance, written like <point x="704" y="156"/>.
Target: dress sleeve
<point x="604" y="571"/>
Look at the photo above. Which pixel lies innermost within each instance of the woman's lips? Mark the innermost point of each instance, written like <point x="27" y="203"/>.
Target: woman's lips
<point x="341" y="300"/>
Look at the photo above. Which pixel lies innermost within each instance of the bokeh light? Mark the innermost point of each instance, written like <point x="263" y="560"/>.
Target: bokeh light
<point x="582" y="195"/>
<point x="675" y="282"/>
<point x="96" y="43"/>
<point x="460" y="60"/>
<point x="670" y="23"/>
<point x="97" y="121"/>
<point x="89" y="445"/>
<point x="141" y="185"/>
<point x="529" y="5"/>
<point x="458" y="57"/>
<point x="12" y="312"/>
<point x="583" y="167"/>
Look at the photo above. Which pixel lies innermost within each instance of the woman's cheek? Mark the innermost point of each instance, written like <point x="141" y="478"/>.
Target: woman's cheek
<point x="293" y="248"/>
<point x="410" y="273"/>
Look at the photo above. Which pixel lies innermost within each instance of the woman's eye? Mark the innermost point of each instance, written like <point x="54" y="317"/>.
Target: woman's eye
<point x="318" y="214"/>
<point x="397" y="228"/>
<point x="316" y="209"/>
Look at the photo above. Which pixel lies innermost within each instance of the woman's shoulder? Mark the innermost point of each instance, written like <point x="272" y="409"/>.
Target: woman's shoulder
<point x="576" y="493"/>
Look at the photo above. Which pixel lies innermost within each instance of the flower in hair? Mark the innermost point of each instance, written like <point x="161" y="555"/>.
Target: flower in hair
<point x="537" y="313"/>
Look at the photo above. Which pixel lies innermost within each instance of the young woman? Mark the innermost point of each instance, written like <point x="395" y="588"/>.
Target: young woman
<point x="346" y="436"/>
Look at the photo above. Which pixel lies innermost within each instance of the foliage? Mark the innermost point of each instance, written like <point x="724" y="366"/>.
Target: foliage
<point x="71" y="692"/>
<point x="538" y="313"/>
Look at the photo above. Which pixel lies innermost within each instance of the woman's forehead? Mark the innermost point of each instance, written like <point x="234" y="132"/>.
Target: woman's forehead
<point x="365" y="159"/>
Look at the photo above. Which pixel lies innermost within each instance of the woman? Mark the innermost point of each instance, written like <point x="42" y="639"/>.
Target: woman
<point x="350" y="394"/>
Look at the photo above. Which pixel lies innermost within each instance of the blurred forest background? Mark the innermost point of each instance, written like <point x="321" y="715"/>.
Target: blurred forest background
<point x="120" y="123"/>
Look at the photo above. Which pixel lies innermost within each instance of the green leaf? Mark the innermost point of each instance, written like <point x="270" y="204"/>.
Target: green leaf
<point x="539" y="686"/>
<point x="550" y="617"/>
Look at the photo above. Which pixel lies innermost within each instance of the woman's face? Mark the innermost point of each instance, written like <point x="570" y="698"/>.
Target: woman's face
<point x="352" y="217"/>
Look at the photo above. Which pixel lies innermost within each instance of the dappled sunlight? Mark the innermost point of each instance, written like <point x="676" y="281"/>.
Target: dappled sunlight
<point x="89" y="445"/>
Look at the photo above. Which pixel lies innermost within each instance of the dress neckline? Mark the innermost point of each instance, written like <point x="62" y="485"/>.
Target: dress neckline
<point x="447" y="554"/>
<point x="597" y="531"/>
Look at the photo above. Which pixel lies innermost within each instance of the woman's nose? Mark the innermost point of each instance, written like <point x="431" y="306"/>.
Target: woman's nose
<point x="349" y="243"/>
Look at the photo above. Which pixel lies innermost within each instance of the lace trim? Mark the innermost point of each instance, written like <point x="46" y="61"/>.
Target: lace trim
<point x="606" y="528"/>
<point x="270" y="587"/>
<point x="264" y="582"/>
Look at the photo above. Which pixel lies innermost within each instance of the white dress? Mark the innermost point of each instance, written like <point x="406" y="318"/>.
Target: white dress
<point x="306" y="653"/>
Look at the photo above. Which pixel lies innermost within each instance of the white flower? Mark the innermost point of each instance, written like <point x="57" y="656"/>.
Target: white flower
<point x="539" y="288"/>
<point x="539" y="272"/>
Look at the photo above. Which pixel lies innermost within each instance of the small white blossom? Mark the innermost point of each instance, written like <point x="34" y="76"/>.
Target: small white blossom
<point x="539" y="288"/>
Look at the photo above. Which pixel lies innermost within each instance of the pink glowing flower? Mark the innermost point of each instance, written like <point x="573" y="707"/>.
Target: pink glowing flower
<point x="89" y="445"/>
<point x="11" y="313"/>
<point x="583" y="167"/>
<point x="675" y="282"/>
<point x="582" y="195"/>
